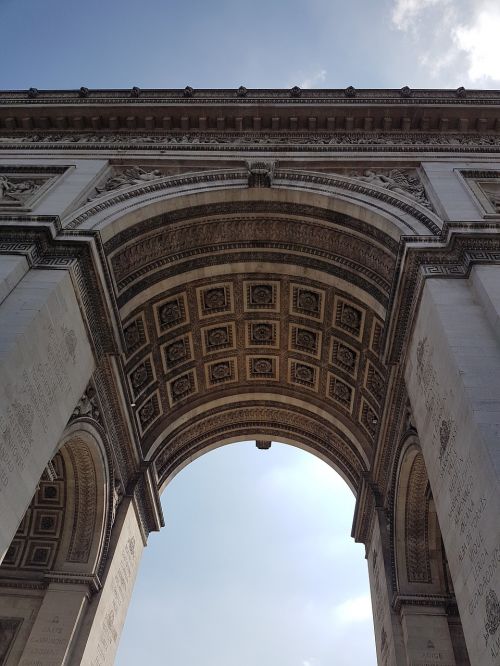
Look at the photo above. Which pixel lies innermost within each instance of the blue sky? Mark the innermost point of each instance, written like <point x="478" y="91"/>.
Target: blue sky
<point x="255" y="564"/>
<point x="254" y="567"/>
<point x="263" y="43"/>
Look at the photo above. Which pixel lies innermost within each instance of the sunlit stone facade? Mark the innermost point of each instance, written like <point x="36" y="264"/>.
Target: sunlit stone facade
<point x="185" y="269"/>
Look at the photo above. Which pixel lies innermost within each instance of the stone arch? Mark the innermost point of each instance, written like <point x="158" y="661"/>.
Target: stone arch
<point x="419" y="552"/>
<point x="342" y="194"/>
<point x="423" y="584"/>
<point x="60" y="545"/>
<point x="263" y="420"/>
<point x="75" y="486"/>
<point x="90" y="502"/>
<point x="188" y="271"/>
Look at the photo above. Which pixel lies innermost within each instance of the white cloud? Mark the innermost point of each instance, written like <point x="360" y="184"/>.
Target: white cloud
<point x="457" y="41"/>
<point x="481" y="41"/>
<point x="356" y="609"/>
<point x="314" y="80"/>
<point x="406" y="12"/>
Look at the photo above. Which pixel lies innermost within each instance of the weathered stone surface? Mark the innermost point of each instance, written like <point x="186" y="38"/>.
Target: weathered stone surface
<point x="315" y="267"/>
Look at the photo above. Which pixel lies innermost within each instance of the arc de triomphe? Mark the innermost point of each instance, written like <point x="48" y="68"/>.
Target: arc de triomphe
<point x="182" y="269"/>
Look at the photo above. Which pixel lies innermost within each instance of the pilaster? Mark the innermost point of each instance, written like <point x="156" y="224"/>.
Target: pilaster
<point x="453" y="380"/>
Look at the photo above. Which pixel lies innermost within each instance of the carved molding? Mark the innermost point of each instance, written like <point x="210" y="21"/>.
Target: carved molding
<point x="251" y="142"/>
<point x="453" y="257"/>
<point x="418" y="568"/>
<point x="82" y="535"/>
<point x="268" y="419"/>
<point x="387" y="191"/>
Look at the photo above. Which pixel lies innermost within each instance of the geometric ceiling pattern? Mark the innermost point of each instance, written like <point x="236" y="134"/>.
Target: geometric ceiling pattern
<point x="254" y="333"/>
<point x="265" y="302"/>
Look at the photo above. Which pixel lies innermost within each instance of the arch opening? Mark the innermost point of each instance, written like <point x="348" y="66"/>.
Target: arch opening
<point x="256" y="563"/>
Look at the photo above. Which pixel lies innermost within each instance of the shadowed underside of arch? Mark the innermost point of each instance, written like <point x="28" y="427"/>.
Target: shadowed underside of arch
<point x="254" y="319"/>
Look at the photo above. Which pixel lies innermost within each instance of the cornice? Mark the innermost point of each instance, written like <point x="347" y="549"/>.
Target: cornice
<point x="251" y="111"/>
<point x="444" y="601"/>
<point x="295" y="95"/>
<point x="451" y="255"/>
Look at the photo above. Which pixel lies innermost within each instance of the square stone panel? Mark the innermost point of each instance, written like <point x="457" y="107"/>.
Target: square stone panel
<point x="263" y="367"/>
<point x="262" y="334"/>
<point x="182" y="387"/>
<point x="39" y="554"/>
<point x="340" y="392"/>
<point x="344" y="356"/>
<point x="374" y="382"/>
<point x="177" y="351"/>
<point x="368" y="418"/>
<point x="217" y="338"/>
<point x="349" y="317"/>
<point x="149" y="412"/>
<point x="50" y="493"/>
<point x="261" y="295"/>
<point x="305" y="340"/>
<point x="171" y="313"/>
<point x="303" y="374"/>
<point x="141" y="376"/>
<point x="221" y="372"/>
<point x="134" y="335"/>
<point x="215" y="299"/>
<point x="46" y="523"/>
<point x="307" y="302"/>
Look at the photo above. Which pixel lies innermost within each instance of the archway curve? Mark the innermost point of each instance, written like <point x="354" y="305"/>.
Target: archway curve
<point x="392" y="212"/>
<point x="65" y="530"/>
<point x="268" y="421"/>
<point x="259" y="298"/>
<point x="420" y="560"/>
<point x="283" y="485"/>
<point x="90" y="502"/>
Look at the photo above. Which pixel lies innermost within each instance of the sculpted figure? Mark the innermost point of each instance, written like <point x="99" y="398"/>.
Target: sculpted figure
<point x="398" y="182"/>
<point x="131" y="176"/>
<point x="16" y="191"/>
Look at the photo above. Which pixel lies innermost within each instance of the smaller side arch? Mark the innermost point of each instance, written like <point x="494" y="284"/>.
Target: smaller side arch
<point x="90" y="501"/>
<point x="59" y="551"/>
<point x="419" y="555"/>
<point x="423" y="593"/>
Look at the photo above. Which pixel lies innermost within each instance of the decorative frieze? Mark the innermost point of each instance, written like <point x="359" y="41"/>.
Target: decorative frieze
<point x="21" y="187"/>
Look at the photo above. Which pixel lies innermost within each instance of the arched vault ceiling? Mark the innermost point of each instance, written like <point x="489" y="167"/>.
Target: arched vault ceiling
<point x="254" y="323"/>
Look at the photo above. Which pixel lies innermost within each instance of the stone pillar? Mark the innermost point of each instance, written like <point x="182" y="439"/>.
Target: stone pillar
<point x="56" y="624"/>
<point x="427" y="636"/>
<point x="100" y="632"/>
<point x="45" y="364"/>
<point x="388" y="633"/>
<point x="453" y="381"/>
